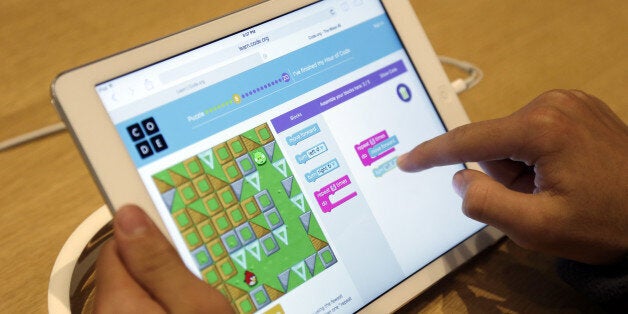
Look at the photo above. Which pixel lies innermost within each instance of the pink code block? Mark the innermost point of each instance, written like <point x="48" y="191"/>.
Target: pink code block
<point x="363" y="147"/>
<point x="324" y="195"/>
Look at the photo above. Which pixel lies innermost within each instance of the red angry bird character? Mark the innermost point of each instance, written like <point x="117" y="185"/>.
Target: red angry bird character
<point x="250" y="279"/>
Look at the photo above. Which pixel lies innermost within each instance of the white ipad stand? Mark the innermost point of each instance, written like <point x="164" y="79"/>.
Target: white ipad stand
<point x="67" y="278"/>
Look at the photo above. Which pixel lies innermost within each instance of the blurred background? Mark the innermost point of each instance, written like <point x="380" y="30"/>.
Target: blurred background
<point x="523" y="47"/>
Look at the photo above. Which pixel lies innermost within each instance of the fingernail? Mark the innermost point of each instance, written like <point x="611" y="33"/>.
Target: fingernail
<point x="458" y="183"/>
<point x="401" y="161"/>
<point x="131" y="221"/>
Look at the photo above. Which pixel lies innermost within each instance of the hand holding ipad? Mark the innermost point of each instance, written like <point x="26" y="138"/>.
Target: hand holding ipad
<point x="264" y="145"/>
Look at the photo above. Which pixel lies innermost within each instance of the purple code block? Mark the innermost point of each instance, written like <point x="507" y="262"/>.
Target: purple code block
<point x="363" y="148"/>
<point x="323" y="196"/>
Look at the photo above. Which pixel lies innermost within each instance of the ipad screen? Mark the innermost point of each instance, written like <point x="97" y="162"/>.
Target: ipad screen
<point x="270" y="156"/>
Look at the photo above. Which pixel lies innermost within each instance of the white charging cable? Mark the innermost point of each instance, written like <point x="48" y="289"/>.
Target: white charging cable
<point x="459" y="85"/>
<point x="31" y="136"/>
<point x="475" y="74"/>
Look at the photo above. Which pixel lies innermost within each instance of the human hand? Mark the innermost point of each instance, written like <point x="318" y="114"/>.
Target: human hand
<point x="557" y="175"/>
<point x="140" y="272"/>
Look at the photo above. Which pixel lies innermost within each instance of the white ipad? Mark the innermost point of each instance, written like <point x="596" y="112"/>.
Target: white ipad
<point x="264" y="144"/>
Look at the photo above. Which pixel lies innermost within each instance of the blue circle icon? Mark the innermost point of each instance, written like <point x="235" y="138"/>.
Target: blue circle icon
<point x="404" y="93"/>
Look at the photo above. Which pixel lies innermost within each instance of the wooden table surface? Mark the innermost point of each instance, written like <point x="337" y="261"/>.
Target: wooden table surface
<point x="524" y="48"/>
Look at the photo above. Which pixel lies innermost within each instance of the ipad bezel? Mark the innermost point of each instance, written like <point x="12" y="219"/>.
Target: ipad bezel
<point x="80" y="107"/>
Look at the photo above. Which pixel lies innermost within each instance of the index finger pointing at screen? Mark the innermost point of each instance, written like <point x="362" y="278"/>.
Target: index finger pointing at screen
<point x="481" y="141"/>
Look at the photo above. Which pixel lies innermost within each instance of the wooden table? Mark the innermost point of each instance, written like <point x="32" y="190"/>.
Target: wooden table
<point x="524" y="48"/>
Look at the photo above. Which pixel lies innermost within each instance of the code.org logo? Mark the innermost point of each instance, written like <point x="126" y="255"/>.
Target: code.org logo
<point x="146" y="137"/>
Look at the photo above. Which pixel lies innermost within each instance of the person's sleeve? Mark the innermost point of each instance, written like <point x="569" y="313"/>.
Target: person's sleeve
<point x="606" y="285"/>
